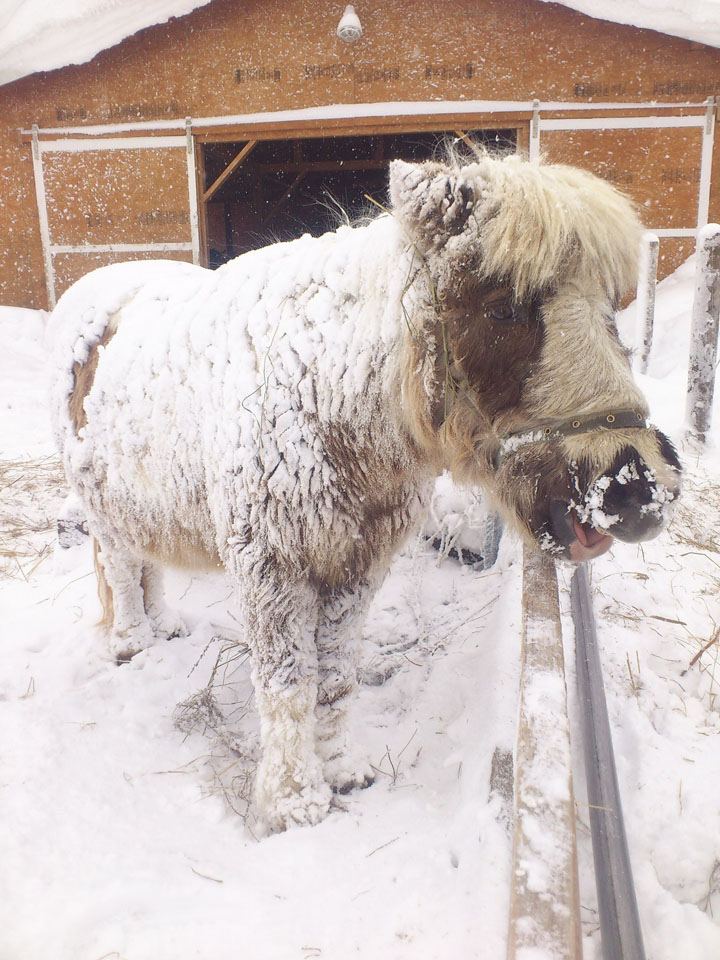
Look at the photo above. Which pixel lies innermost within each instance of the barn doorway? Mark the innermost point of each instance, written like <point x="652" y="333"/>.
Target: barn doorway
<point x="261" y="191"/>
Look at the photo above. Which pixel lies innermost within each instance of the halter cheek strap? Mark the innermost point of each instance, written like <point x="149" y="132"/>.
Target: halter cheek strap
<point x="561" y="429"/>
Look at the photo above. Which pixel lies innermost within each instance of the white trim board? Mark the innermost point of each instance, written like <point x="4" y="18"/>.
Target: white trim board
<point x="88" y="248"/>
<point x="71" y="145"/>
<point x="40" y="196"/>
<point x="353" y="111"/>
<point x="93" y="141"/>
<point x="621" y="123"/>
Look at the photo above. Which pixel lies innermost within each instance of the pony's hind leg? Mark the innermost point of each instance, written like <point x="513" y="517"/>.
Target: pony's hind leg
<point x="337" y="639"/>
<point x="122" y="596"/>
<point x="165" y="623"/>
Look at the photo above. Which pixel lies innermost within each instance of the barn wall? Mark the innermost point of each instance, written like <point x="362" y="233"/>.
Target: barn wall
<point x="242" y="56"/>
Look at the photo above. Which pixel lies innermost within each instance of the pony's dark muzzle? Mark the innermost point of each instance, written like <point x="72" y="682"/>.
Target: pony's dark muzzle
<point x="629" y="505"/>
<point x="633" y="505"/>
<point x="630" y="501"/>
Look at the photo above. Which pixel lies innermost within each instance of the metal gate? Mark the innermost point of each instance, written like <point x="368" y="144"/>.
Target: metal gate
<point x="130" y="190"/>
<point x="650" y="140"/>
<point x="107" y="198"/>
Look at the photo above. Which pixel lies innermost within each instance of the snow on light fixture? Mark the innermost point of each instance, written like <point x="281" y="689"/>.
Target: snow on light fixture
<point x="349" y="28"/>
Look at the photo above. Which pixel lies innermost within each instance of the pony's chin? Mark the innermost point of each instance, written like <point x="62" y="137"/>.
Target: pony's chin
<point x="578" y="541"/>
<point x="579" y="551"/>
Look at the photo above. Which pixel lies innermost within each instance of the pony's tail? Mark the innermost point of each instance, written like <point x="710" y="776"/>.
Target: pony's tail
<point x="84" y="377"/>
<point x="104" y="591"/>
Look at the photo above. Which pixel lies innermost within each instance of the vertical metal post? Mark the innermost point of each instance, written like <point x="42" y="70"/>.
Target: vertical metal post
<point x="619" y="920"/>
<point x="43" y="217"/>
<point x="706" y="162"/>
<point x="535" y="131"/>
<point x="192" y="192"/>
<point x="647" y="281"/>
<point x="704" y="333"/>
<point x="492" y="534"/>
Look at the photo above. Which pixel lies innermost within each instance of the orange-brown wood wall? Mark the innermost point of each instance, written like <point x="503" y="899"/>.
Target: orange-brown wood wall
<point x="243" y="56"/>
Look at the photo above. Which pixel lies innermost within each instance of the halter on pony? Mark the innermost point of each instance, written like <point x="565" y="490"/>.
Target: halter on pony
<point x="561" y="429"/>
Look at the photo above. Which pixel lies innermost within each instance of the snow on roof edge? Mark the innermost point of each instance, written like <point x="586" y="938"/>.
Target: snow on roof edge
<point x="37" y="36"/>
<point x="694" y="20"/>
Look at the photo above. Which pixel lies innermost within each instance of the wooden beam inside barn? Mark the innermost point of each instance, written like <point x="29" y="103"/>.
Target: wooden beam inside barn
<point x="285" y="197"/>
<point x="229" y="170"/>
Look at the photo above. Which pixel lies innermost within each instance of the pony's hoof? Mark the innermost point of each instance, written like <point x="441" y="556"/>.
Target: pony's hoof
<point x="299" y="808"/>
<point x="345" y="773"/>
<point x="168" y="626"/>
<point x="124" y="645"/>
<point x="356" y="783"/>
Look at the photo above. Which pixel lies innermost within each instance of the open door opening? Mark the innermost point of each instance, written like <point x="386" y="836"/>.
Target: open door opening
<point x="261" y="191"/>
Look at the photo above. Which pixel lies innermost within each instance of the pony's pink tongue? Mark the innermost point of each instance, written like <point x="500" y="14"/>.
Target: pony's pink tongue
<point x="589" y="543"/>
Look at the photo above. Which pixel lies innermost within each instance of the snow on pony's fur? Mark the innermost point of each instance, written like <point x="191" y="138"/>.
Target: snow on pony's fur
<point x="286" y="416"/>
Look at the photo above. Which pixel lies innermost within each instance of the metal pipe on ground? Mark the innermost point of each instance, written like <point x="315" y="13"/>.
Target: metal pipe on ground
<point x="619" y="920"/>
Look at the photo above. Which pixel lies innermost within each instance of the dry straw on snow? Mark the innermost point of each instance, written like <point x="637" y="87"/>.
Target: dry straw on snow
<point x="215" y="713"/>
<point x="692" y="535"/>
<point x="31" y="492"/>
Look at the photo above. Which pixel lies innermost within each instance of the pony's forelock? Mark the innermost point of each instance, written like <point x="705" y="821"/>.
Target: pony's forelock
<point x="538" y="224"/>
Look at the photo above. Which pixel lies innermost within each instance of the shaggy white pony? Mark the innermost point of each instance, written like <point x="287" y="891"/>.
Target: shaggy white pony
<point x="287" y="414"/>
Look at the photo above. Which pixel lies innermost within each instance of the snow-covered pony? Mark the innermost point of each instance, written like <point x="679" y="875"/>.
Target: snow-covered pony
<point x="287" y="414"/>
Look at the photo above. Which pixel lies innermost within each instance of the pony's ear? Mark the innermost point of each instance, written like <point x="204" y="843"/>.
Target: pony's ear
<point x="431" y="201"/>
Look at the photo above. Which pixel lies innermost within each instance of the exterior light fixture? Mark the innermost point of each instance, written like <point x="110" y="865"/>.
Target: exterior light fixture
<point x="349" y="29"/>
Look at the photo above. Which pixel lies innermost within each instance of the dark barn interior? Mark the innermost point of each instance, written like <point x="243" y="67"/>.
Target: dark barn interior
<point x="263" y="191"/>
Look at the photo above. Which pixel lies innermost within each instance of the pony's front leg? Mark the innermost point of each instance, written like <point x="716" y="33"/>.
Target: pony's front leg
<point x="338" y="639"/>
<point x="282" y="615"/>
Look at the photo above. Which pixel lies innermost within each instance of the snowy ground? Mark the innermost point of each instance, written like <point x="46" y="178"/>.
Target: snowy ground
<point x="123" y="836"/>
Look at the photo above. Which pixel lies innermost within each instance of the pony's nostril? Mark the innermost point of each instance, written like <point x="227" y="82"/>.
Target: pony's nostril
<point x="634" y="506"/>
<point x="628" y="496"/>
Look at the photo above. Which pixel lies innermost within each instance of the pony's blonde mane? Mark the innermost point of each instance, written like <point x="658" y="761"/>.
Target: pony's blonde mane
<point x="537" y="222"/>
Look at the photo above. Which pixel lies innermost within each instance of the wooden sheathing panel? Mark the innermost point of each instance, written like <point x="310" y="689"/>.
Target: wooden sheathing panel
<point x="659" y="168"/>
<point x="673" y="251"/>
<point x="234" y="58"/>
<point x="544" y="897"/>
<point x="117" y="196"/>
<point x="70" y="267"/>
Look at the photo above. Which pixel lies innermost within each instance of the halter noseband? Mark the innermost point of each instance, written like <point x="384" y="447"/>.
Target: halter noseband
<point x="561" y="429"/>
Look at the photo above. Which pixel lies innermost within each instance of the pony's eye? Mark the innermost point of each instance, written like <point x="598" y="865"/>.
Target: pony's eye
<point x="504" y="312"/>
